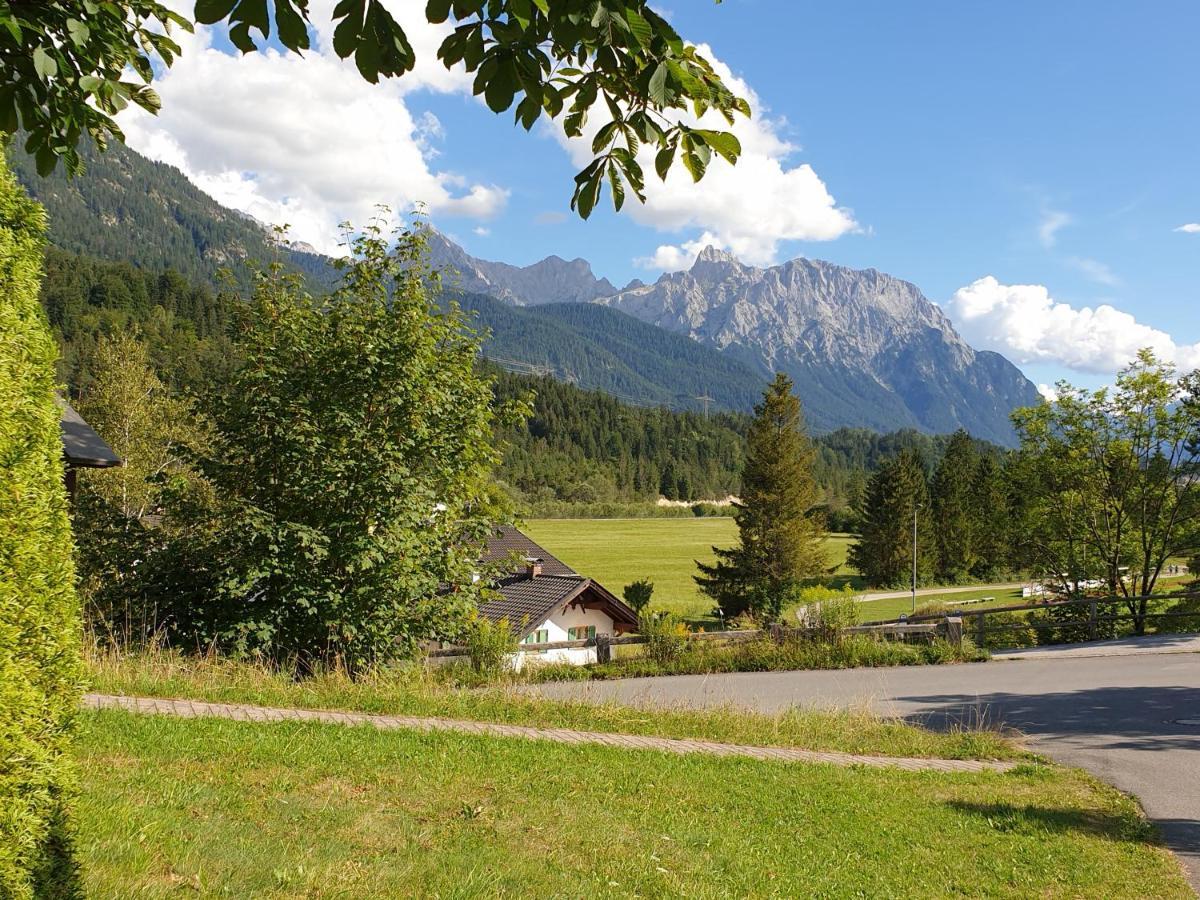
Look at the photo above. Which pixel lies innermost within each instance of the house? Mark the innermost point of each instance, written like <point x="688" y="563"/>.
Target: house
<point x="82" y="447"/>
<point x="546" y="601"/>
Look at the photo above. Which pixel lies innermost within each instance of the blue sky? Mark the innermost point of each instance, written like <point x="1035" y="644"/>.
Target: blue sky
<point x="1052" y="147"/>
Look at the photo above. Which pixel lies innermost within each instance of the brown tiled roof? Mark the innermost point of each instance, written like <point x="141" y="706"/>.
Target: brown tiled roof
<point x="509" y="541"/>
<point x="525" y="601"/>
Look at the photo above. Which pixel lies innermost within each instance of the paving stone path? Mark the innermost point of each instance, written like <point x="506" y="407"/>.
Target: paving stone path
<point x="189" y="709"/>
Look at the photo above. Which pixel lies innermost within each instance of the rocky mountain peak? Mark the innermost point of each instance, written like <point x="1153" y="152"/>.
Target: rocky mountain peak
<point x="865" y="348"/>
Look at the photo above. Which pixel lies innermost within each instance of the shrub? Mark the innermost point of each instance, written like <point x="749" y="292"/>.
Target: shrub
<point x="1070" y="623"/>
<point x="1019" y="630"/>
<point x="40" y="669"/>
<point x="666" y="636"/>
<point x="638" y="594"/>
<point x="489" y="644"/>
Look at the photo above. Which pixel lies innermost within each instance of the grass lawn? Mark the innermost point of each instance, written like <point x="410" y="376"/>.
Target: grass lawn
<point x="618" y="551"/>
<point x="411" y="691"/>
<point x="878" y="610"/>
<point x="215" y="808"/>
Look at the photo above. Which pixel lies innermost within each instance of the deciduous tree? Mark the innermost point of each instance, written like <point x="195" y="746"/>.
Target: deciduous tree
<point x="352" y="458"/>
<point x="1112" y="479"/>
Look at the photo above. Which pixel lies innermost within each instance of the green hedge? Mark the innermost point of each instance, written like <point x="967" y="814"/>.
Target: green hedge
<point x="40" y="669"/>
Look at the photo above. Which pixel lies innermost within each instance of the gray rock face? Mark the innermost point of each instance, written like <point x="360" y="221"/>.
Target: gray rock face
<point x="864" y="348"/>
<point x="553" y="280"/>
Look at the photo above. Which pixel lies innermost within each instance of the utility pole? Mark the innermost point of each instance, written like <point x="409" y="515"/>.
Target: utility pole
<point x="705" y="399"/>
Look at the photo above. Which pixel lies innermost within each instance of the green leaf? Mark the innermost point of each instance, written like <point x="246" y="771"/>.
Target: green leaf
<point x="78" y="31"/>
<point x="639" y="28"/>
<point x="90" y="83"/>
<point x="618" y="189"/>
<point x="663" y="160"/>
<point x="209" y="12"/>
<point x="44" y="64"/>
<point x="239" y="36"/>
<point x="725" y="143"/>
<point x="658" y="86"/>
<point x="346" y="35"/>
<point x="437" y="11"/>
<point x="293" y="29"/>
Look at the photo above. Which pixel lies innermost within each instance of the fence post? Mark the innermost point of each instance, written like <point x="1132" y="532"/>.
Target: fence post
<point x="603" y="648"/>
<point x="981" y="629"/>
<point x="954" y="630"/>
<point x="1093" y="621"/>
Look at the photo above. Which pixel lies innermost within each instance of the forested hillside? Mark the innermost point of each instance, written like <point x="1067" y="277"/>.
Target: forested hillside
<point x="128" y="208"/>
<point x="579" y="447"/>
<point x="600" y="348"/>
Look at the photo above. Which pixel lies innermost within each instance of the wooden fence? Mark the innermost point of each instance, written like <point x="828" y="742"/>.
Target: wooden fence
<point x="980" y="628"/>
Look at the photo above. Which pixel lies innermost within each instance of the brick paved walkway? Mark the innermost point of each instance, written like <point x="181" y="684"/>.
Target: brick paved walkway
<point x="243" y="713"/>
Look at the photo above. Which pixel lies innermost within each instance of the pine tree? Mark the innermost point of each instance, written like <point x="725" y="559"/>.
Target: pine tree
<point x="990" y="513"/>
<point x="953" y="513"/>
<point x="883" y="554"/>
<point x="780" y="527"/>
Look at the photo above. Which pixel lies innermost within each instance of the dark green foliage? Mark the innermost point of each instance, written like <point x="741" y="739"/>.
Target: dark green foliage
<point x="67" y="66"/>
<point x="353" y="447"/>
<point x="127" y="208"/>
<point x="638" y="593"/>
<point x="780" y="526"/>
<point x="604" y="349"/>
<point x="993" y="520"/>
<point x="40" y="670"/>
<point x="587" y="447"/>
<point x="884" y="551"/>
<point x="954" y="515"/>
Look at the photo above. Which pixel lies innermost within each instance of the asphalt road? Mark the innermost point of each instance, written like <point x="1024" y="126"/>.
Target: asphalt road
<point x="1131" y="720"/>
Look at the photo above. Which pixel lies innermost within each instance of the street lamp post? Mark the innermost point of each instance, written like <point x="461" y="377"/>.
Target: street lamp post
<point x="916" y="507"/>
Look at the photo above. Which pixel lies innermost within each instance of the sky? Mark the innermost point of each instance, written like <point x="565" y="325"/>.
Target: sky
<point x="1032" y="167"/>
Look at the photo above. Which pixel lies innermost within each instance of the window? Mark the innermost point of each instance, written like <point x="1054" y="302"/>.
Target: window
<point x="581" y="633"/>
<point x="541" y="636"/>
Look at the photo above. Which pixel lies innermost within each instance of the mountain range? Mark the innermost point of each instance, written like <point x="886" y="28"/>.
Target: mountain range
<point x="865" y="349"/>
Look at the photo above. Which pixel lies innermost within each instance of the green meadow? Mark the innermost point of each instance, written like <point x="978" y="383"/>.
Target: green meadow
<point x="618" y="551"/>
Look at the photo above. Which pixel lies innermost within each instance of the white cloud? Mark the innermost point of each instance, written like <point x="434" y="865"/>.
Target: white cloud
<point x="1026" y="324"/>
<point x="305" y="141"/>
<point x="1052" y="222"/>
<point x="481" y="231"/>
<point x="1095" y="270"/>
<point x="749" y="208"/>
<point x="1048" y="392"/>
<point x="673" y="258"/>
<point x="1190" y="228"/>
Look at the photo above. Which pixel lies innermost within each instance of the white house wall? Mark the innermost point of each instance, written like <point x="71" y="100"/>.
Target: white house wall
<point x="557" y="630"/>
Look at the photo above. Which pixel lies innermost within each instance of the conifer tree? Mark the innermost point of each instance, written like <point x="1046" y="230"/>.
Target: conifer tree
<point x="780" y="527"/>
<point x="990" y="513"/>
<point x="883" y="554"/>
<point x="953" y="513"/>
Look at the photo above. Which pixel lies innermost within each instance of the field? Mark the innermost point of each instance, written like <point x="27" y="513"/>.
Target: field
<point x="894" y="607"/>
<point x="618" y="551"/>
<point x="322" y="811"/>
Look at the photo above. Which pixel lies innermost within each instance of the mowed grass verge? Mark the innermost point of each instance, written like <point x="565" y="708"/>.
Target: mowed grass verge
<point x="618" y="551"/>
<point x="218" y="808"/>
<point x="411" y="691"/>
